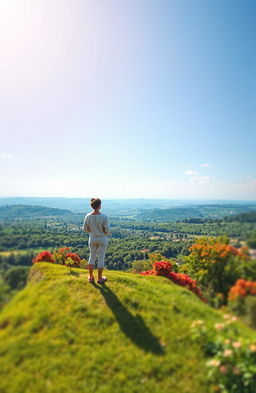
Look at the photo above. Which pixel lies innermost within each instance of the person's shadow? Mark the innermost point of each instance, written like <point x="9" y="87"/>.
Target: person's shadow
<point x="133" y="326"/>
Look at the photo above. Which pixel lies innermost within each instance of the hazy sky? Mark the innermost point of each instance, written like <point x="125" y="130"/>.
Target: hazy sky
<point x="128" y="98"/>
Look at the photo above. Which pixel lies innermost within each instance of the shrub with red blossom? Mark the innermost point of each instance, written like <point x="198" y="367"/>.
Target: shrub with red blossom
<point x="165" y="269"/>
<point x="44" y="256"/>
<point x="148" y="273"/>
<point x="75" y="258"/>
<point x="241" y="289"/>
<point x="60" y="255"/>
<point x="162" y="268"/>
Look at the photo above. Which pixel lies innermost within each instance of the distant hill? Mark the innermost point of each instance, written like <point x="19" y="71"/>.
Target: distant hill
<point x="24" y="211"/>
<point x="188" y="213"/>
<point x="119" y="206"/>
<point x="78" y="204"/>
<point x="174" y="214"/>
<point x="61" y="334"/>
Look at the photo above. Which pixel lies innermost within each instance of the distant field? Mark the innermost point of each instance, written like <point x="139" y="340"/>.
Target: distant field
<point x="20" y="252"/>
<point x="191" y="235"/>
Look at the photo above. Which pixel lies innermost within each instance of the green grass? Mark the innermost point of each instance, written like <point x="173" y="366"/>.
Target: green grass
<point x="62" y="334"/>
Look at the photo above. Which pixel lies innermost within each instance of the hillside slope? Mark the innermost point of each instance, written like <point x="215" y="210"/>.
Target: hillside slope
<point x="62" y="334"/>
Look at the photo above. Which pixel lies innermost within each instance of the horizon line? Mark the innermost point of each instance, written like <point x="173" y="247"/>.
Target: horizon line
<point x="138" y="198"/>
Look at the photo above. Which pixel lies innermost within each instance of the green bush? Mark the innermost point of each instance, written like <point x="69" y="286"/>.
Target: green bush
<point x="252" y="241"/>
<point x="140" y="266"/>
<point x="16" y="277"/>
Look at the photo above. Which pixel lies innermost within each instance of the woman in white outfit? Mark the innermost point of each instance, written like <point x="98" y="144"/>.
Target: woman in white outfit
<point x="97" y="225"/>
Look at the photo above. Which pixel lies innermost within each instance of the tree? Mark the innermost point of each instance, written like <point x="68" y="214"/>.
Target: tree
<point x="215" y="264"/>
<point x="252" y="241"/>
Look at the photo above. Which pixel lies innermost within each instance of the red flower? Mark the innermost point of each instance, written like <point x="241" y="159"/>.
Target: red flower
<point x="44" y="256"/>
<point x="148" y="273"/>
<point x="165" y="269"/>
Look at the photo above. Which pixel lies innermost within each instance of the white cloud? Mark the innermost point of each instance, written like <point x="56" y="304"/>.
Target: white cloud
<point x="206" y="165"/>
<point x="190" y="173"/>
<point x="6" y="156"/>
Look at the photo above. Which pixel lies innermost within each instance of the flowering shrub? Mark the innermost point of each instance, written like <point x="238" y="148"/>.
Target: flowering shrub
<point x="157" y="257"/>
<point x="64" y="257"/>
<point x="241" y="289"/>
<point x="74" y="257"/>
<point x="44" y="256"/>
<point x="163" y="268"/>
<point x="60" y="255"/>
<point x="231" y="367"/>
<point x="242" y="300"/>
<point x="215" y="264"/>
<point x="186" y="281"/>
<point x="148" y="273"/>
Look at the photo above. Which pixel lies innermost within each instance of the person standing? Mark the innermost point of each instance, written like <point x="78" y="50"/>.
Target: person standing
<point x="97" y="225"/>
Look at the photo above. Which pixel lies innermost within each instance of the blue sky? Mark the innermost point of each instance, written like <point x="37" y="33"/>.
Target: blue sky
<point x="127" y="99"/>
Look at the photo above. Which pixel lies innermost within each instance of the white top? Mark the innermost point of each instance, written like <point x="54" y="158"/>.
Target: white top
<point x="96" y="224"/>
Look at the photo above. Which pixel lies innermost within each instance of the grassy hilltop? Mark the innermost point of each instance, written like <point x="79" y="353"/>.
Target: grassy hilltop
<point x="61" y="334"/>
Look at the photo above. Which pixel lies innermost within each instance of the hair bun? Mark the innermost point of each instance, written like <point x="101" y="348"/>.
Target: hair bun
<point x="95" y="203"/>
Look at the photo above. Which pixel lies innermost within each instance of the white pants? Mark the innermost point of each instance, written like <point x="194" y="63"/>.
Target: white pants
<point x="98" y="244"/>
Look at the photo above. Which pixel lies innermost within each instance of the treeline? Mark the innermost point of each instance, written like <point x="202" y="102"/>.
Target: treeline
<point x="214" y="211"/>
<point x="17" y="212"/>
<point x="120" y="255"/>
<point x="243" y="217"/>
<point x="27" y="235"/>
<point x="207" y="227"/>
